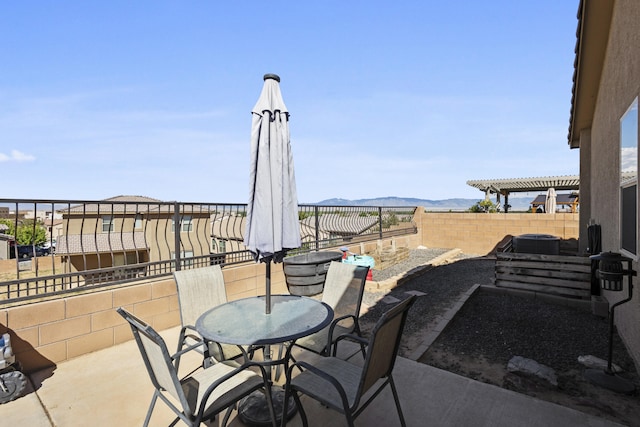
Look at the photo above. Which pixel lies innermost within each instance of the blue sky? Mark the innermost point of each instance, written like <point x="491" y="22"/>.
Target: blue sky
<point x="407" y="99"/>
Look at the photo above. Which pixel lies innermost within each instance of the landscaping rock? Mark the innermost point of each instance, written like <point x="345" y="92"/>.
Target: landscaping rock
<point x="519" y="364"/>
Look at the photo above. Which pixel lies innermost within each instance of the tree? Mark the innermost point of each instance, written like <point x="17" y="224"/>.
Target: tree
<point x="11" y="230"/>
<point x="484" y="206"/>
<point x="29" y="231"/>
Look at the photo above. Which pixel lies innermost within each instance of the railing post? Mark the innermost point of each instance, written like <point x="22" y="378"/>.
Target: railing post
<point x="315" y="213"/>
<point x="176" y="234"/>
<point x="81" y="240"/>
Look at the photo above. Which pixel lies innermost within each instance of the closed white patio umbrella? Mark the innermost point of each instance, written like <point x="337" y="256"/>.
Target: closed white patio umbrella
<point x="550" y="202"/>
<point x="272" y="214"/>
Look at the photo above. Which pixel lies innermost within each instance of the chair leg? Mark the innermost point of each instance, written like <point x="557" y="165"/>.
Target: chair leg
<point x="349" y="418"/>
<point x="303" y="414"/>
<point x="227" y="414"/>
<point x="363" y="351"/>
<point x="150" y="410"/>
<point x="287" y="392"/>
<point x="397" y="401"/>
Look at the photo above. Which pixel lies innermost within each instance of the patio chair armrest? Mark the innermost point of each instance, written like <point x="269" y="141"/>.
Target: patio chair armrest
<point x="352" y="337"/>
<point x="191" y="327"/>
<point x="182" y="351"/>
<point x="185" y="332"/>
<point x="337" y="320"/>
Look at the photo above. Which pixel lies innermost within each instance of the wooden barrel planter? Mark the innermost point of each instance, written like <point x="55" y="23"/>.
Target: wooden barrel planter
<point x="305" y="274"/>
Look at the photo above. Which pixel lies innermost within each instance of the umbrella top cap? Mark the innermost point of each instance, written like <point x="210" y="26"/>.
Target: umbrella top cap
<point x="272" y="76"/>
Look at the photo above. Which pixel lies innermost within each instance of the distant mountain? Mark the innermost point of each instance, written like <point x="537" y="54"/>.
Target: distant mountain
<point x="517" y="203"/>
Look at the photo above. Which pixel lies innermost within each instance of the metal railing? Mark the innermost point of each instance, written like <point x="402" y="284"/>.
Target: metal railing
<point x="91" y="244"/>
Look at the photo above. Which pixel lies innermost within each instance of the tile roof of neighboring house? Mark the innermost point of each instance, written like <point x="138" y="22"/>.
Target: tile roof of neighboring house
<point x="308" y="232"/>
<point x="102" y="242"/>
<point x="119" y="204"/>
<point x="141" y="199"/>
<point x="229" y="227"/>
<point x="133" y="205"/>
<point x="343" y="225"/>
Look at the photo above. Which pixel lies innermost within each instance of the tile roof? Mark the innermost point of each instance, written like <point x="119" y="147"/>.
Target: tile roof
<point x="118" y="204"/>
<point x="561" y="199"/>
<point x="101" y="242"/>
<point x="343" y="225"/>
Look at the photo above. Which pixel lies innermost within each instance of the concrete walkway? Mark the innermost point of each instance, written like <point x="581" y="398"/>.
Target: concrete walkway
<point x="112" y="388"/>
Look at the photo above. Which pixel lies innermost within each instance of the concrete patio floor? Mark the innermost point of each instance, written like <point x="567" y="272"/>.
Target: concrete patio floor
<point x="111" y="388"/>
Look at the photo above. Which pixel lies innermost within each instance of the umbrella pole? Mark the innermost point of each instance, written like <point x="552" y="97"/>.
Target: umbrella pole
<point x="268" y="288"/>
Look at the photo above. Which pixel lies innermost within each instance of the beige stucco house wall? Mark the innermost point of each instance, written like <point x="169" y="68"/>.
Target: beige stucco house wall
<point x="606" y="81"/>
<point x="138" y="233"/>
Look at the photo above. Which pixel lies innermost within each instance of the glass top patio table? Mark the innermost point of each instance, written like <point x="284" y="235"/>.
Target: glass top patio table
<point x="244" y="321"/>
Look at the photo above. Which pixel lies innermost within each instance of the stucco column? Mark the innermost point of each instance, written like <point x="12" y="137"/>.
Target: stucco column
<point x="585" y="189"/>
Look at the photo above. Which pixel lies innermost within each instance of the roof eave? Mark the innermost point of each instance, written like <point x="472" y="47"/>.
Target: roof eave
<point x="594" y="22"/>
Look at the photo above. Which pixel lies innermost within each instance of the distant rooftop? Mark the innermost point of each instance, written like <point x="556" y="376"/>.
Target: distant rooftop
<point x="561" y="199"/>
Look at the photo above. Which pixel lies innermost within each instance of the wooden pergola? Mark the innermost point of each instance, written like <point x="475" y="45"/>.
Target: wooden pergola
<point x="504" y="187"/>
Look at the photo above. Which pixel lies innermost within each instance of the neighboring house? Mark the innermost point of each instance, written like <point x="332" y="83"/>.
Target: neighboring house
<point x="563" y="200"/>
<point x="6" y="241"/>
<point x="42" y="215"/>
<point x="604" y="126"/>
<point x="341" y="226"/>
<point x="127" y="230"/>
<point x="54" y="229"/>
<point x="228" y="232"/>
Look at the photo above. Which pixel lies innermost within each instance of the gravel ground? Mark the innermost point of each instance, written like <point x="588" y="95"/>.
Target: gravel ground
<point x="500" y="326"/>
<point x="442" y="287"/>
<point x="491" y="328"/>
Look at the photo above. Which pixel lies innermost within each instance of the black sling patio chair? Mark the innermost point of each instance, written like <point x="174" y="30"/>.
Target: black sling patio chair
<point x="199" y="290"/>
<point x="339" y="384"/>
<point x="343" y="291"/>
<point x="202" y="394"/>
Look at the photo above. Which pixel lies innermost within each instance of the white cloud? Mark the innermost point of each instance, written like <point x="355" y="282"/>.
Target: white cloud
<point x="16" y="156"/>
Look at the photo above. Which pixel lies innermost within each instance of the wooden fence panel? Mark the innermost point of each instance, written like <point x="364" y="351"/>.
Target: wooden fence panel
<point x="561" y="275"/>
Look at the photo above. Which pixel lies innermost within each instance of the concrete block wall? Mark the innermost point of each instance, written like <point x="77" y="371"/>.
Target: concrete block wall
<point x="479" y="233"/>
<point x="44" y="264"/>
<point x="49" y="332"/>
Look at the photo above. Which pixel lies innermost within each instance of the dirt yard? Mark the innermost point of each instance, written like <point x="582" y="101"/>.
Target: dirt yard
<point x="552" y="335"/>
<point x="491" y="328"/>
